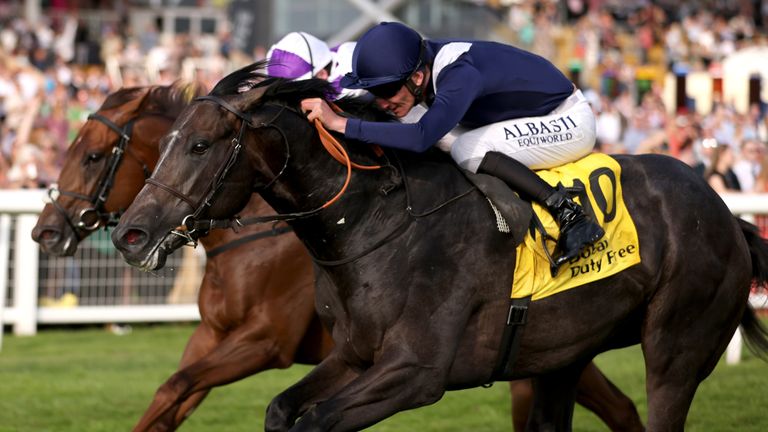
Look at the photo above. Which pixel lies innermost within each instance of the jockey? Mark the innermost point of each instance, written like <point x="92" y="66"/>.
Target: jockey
<point x="299" y="56"/>
<point x="524" y="112"/>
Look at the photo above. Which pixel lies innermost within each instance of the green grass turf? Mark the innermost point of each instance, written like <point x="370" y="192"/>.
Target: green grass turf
<point x="91" y="380"/>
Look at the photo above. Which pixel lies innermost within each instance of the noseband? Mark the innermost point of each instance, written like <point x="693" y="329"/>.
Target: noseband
<point x="90" y="218"/>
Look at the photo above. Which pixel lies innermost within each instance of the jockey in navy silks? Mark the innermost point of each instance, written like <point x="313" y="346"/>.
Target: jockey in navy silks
<point x="523" y="112"/>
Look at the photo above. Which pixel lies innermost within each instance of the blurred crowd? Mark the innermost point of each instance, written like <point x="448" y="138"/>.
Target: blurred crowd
<point x="52" y="75"/>
<point x="615" y="50"/>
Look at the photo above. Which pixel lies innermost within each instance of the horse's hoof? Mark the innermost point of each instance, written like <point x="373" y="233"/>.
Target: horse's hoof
<point x="279" y="417"/>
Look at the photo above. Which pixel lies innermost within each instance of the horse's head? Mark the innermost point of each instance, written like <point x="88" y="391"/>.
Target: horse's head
<point x="240" y="138"/>
<point x="107" y="163"/>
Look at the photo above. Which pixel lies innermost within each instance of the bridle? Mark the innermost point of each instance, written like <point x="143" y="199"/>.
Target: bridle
<point x="196" y="227"/>
<point x="90" y="218"/>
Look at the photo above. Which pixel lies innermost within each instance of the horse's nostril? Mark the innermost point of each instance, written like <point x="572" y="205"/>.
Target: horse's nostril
<point x="133" y="237"/>
<point x="49" y="235"/>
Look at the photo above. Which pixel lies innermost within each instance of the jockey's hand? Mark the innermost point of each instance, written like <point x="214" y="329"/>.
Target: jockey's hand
<point x="317" y="108"/>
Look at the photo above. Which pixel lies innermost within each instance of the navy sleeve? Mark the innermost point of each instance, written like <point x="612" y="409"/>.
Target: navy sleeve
<point x="458" y="86"/>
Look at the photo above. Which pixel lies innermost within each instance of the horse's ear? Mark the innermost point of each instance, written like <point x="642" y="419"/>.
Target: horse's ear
<point x="248" y="98"/>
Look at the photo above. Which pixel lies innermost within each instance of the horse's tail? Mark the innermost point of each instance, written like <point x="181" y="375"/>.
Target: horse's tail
<point x="755" y="333"/>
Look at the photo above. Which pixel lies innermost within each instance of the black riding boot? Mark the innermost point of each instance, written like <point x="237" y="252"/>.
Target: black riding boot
<point x="576" y="229"/>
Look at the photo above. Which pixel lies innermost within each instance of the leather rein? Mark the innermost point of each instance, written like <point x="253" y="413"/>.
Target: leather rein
<point x="194" y="227"/>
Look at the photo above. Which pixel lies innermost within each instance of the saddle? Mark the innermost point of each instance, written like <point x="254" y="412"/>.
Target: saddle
<point x="513" y="215"/>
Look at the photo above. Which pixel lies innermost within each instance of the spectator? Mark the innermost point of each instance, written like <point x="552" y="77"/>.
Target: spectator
<point x="608" y="128"/>
<point x="761" y="179"/>
<point x="749" y="165"/>
<point x="719" y="173"/>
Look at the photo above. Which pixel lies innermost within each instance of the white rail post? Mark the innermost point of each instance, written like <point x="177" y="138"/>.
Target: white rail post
<point x="5" y="245"/>
<point x="25" y="277"/>
<point x="733" y="352"/>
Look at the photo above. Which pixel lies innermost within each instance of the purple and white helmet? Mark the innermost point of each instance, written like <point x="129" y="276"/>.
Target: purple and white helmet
<point x="298" y="56"/>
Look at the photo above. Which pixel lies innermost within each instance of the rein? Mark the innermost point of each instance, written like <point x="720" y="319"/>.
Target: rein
<point x="394" y="233"/>
<point x="196" y="227"/>
<point x="90" y="218"/>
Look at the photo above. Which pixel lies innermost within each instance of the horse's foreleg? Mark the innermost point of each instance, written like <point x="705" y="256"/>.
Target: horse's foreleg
<point x="322" y="382"/>
<point x="156" y="416"/>
<point x="248" y="349"/>
<point x="399" y="380"/>
<point x="553" y="400"/>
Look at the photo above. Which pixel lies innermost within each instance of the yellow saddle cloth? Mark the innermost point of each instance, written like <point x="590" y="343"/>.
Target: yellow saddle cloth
<point x="598" y="175"/>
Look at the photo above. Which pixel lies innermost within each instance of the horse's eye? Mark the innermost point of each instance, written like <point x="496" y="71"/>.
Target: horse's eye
<point x="200" y="147"/>
<point x="92" y="158"/>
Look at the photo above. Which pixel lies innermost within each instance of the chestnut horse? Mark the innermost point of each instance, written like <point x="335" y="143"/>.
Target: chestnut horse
<point x="421" y="276"/>
<point x="236" y="303"/>
<point x="256" y="300"/>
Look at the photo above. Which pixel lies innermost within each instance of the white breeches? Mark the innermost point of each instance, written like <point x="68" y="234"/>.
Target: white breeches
<point x="562" y="136"/>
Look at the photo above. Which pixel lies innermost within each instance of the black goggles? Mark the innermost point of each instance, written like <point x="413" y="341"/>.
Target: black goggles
<point x="388" y="90"/>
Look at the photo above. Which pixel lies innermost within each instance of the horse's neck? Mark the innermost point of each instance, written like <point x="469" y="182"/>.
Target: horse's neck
<point x="365" y="214"/>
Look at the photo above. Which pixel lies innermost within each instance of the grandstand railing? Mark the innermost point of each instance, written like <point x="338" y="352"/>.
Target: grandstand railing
<point x="97" y="286"/>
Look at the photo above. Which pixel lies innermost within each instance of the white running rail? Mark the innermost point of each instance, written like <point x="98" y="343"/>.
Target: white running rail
<point x="109" y="291"/>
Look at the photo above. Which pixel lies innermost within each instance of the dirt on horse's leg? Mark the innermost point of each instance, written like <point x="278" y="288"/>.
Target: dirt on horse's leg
<point x="521" y="392"/>
<point x="207" y="363"/>
<point x="598" y="394"/>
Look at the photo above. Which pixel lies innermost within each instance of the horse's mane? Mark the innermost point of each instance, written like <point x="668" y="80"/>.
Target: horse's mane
<point x="169" y="99"/>
<point x="122" y="96"/>
<point x="290" y="93"/>
<point x="243" y="79"/>
<point x="172" y="99"/>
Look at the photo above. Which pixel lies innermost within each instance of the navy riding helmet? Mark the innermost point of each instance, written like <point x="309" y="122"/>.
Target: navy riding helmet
<point x="386" y="54"/>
